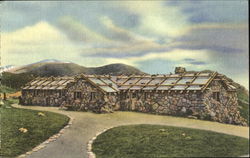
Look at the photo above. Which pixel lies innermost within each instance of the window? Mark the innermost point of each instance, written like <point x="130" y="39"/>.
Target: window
<point x="146" y="95"/>
<point x="216" y="96"/>
<point x="134" y="95"/>
<point x="50" y="92"/>
<point x="35" y="92"/>
<point x="63" y="93"/>
<point x="60" y="93"/>
<point x="77" y="95"/>
<point x="92" y="95"/>
<point x="45" y="92"/>
<point x="122" y="96"/>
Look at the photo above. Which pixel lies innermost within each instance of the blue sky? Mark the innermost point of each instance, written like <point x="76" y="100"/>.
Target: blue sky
<point x="154" y="36"/>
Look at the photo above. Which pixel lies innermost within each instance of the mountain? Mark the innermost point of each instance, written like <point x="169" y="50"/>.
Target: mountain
<point x="29" y="67"/>
<point x="6" y="68"/>
<point x="52" y="61"/>
<point x="55" y="69"/>
<point x="52" y="67"/>
<point x="19" y="76"/>
<point x="114" y="69"/>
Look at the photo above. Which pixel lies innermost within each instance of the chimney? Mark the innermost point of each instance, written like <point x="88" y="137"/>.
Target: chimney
<point x="180" y="70"/>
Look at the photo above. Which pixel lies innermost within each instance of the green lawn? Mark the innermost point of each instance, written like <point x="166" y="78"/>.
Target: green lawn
<point x="156" y="141"/>
<point x="244" y="110"/>
<point x="5" y="89"/>
<point x="40" y="128"/>
<point x="243" y="100"/>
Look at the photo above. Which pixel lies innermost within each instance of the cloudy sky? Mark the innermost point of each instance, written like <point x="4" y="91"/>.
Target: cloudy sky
<point x="154" y="36"/>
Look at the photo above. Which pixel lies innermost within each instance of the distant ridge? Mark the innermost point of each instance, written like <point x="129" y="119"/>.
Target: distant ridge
<point x="51" y="61"/>
<point x="6" y="68"/>
<point x="53" y="67"/>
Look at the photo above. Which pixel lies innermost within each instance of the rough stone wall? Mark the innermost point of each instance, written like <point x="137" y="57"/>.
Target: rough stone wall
<point x="202" y="105"/>
<point x="42" y="97"/>
<point x="197" y="104"/>
<point x="226" y="109"/>
<point x="170" y="103"/>
<point x="97" y="102"/>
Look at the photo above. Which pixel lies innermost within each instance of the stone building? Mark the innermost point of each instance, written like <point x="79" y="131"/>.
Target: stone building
<point x="49" y="91"/>
<point x="84" y="92"/>
<point x="204" y="95"/>
<point x="92" y="93"/>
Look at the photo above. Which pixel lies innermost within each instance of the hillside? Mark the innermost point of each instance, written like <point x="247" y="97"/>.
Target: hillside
<point x="57" y="69"/>
<point x="114" y="69"/>
<point x="20" y="76"/>
<point x="69" y="69"/>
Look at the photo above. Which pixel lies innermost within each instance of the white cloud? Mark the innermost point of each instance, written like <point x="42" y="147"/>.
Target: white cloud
<point x="79" y="32"/>
<point x="174" y="55"/>
<point x="157" y="18"/>
<point x="119" y="33"/>
<point x="33" y="43"/>
<point x="39" y="33"/>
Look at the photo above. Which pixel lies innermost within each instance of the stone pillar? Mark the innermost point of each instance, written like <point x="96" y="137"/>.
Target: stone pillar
<point x="180" y="70"/>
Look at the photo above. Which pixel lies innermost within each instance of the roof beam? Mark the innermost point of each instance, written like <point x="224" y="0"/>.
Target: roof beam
<point x="209" y="81"/>
<point x="195" y="77"/>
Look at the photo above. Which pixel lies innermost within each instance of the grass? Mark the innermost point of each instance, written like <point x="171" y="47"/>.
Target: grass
<point x="5" y="89"/>
<point x="156" y="141"/>
<point x="242" y="95"/>
<point x="243" y="100"/>
<point x="244" y="110"/>
<point x="40" y="128"/>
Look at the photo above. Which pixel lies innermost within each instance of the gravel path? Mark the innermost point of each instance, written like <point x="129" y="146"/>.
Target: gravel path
<point x="73" y="143"/>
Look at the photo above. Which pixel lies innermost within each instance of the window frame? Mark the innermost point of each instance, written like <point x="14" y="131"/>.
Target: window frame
<point x="147" y="95"/>
<point x="216" y="96"/>
<point x="77" y="95"/>
<point x="92" y="95"/>
<point x="60" y="93"/>
<point x="134" y="95"/>
<point x="123" y="96"/>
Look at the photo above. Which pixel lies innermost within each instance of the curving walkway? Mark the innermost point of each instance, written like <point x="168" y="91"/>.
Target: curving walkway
<point x="73" y="143"/>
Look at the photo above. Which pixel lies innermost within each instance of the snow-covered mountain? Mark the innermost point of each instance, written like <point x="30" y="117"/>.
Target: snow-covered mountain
<point x="50" y="61"/>
<point x="6" y="68"/>
<point x="20" y="69"/>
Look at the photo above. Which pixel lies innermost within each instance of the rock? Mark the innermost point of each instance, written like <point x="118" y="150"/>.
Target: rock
<point x="184" y="110"/>
<point x="162" y="130"/>
<point x="212" y="114"/>
<point x="28" y="153"/>
<point x="188" y="138"/>
<point x="155" y="106"/>
<point x="192" y="117"/>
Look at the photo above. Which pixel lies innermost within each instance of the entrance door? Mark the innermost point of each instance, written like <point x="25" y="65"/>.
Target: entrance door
<point x="47" y="101"/>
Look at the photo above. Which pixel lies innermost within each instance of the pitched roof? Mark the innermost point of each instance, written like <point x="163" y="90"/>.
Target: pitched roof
<point x="102" y="82"/>
<point x="48" y="83"/>
<point x="184" y="81"/>
<point x="194" y="81"/>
